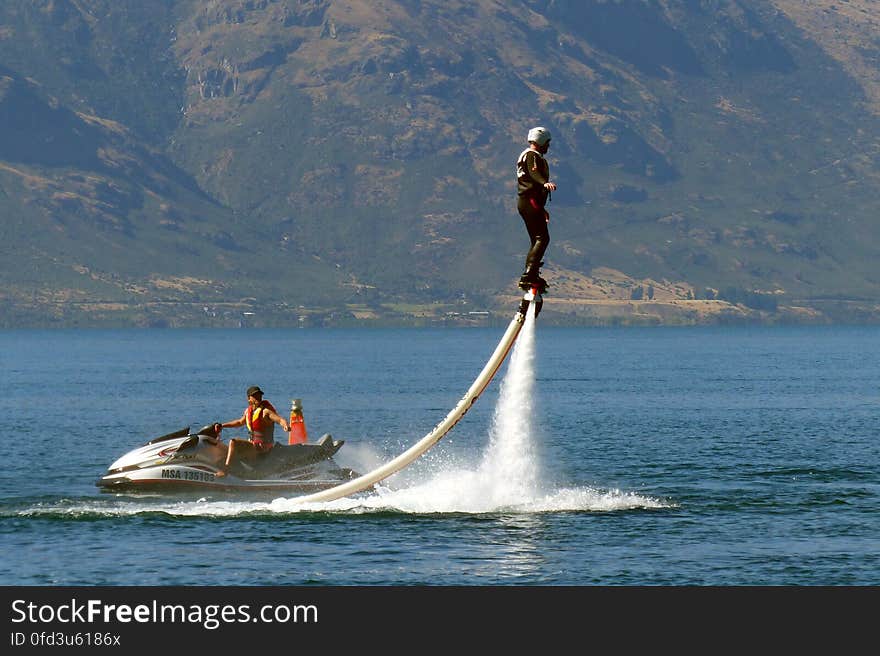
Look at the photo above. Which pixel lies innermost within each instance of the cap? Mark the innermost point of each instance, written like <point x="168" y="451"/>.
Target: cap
<point x="254" y="390"/>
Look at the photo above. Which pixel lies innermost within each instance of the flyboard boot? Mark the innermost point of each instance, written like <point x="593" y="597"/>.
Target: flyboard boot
<point x="530" y="278"/>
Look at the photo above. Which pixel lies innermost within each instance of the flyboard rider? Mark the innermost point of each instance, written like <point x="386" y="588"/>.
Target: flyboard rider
<point x="533" y="189"/>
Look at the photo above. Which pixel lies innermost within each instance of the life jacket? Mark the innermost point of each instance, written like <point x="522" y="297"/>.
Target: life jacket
<point x="260" y="427"/>
<point x="526" y="185"/>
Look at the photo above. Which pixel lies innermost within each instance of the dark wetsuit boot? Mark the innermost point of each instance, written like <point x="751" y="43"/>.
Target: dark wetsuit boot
<point x="530" y="278"/>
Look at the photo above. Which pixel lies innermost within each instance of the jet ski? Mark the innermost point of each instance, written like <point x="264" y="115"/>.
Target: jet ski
<point x="182" y="461"/>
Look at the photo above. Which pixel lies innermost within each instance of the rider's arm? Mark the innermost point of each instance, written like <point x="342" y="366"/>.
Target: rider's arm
<point x="278" y="420"/>
<point x="235" y="423"/>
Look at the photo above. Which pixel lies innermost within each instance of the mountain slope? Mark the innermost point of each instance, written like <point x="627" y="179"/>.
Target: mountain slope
<point x="265" y="155"/>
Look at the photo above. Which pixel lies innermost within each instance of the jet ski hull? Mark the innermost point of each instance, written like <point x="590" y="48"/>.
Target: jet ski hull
<point x="183" y="462"/>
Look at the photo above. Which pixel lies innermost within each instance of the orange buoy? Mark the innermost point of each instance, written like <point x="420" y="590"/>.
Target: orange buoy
<point x="298" y="434"/>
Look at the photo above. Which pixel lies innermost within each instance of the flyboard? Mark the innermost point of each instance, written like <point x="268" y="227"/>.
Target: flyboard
<point x="482" y="381"/>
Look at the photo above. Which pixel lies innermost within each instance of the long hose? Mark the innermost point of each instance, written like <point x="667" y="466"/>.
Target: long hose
<point x="482" y="381"/>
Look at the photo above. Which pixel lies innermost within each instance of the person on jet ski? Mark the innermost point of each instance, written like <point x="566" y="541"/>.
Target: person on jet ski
<point x="260" y="418"/>
<point x="533" y="189"/>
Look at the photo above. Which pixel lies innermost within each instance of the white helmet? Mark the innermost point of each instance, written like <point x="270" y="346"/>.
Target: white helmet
<point x="539" y="135"/>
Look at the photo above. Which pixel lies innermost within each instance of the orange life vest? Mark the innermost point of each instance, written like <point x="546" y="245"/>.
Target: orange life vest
<point x="260" y="426"/>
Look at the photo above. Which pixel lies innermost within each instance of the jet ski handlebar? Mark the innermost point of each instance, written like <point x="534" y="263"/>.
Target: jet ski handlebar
<point x="211" y="430"/>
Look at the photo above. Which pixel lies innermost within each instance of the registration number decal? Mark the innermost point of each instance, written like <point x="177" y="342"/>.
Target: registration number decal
<point x="188" y="475"/>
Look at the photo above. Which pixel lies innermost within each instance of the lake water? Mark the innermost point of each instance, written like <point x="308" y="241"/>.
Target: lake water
<point x="604" y="456"/>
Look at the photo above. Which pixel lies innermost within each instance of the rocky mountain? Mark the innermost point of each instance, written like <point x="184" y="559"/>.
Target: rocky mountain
<point x="290" y="162"/>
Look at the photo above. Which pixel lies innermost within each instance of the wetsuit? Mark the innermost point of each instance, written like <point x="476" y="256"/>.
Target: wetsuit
<point x="532" y="171"/>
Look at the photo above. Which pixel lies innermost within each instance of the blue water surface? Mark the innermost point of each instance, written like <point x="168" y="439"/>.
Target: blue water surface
<point x="667" y="456"/>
